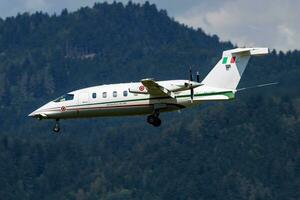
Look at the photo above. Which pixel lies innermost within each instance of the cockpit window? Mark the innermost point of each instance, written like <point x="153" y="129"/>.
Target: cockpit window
<point x="66" y="97"/>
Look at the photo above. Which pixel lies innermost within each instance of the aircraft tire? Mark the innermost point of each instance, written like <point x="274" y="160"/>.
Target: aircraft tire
<point x="151" y="119"/>
<point x="56" y="127"/>
<point x="157" y="122"/>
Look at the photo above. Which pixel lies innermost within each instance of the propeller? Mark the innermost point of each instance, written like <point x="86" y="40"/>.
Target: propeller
<point x="190" y="85"/>
<point x="191" y="74"/>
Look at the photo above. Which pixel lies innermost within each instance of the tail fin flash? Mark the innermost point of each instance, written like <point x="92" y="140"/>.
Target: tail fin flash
<point x="229" y="70"/>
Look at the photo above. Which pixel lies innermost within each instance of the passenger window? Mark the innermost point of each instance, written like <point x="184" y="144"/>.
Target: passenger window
<point x="115" y="94"/>
<point x="104" y="94"/>
<point x="94" y="95"/>
<point x="125" y="93"/>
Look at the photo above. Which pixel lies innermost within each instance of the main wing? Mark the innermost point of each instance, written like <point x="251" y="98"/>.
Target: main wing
<point x="155" y="89"/>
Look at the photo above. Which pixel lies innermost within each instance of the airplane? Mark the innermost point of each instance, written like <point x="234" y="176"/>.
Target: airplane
<point x="150" y="97"/>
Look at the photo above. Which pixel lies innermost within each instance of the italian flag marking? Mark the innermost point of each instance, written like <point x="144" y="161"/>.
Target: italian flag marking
<point x="224" y="60"/>
<point x="232" y="60"/>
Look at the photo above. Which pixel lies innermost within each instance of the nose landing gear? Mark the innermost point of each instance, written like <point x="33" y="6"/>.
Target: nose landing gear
<point x="153" y="119"/>
<point x="56" y="127"/>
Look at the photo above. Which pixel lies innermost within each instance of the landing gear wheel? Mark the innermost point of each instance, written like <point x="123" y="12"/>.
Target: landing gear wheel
<point x="56" y="127"/>
<point x="157" y="122"/>
<point x="151" y="119"/>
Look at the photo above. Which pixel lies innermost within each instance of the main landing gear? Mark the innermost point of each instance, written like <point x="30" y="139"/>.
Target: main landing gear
<point x="56" y="127"/>
<point x="153" y="119"/>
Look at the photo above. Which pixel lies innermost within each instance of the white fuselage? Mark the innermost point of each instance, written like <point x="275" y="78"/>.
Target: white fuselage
<point x="117" y="100"/>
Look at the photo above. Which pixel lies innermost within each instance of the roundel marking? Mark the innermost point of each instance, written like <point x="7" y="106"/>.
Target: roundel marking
<point x="63" y="108"/>
<point x="142" y="88"/>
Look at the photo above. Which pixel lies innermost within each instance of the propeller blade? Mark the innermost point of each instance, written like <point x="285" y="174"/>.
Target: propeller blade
<point x="191" y="75"/>
<point x="198" y="77"/>
<point x="192" y="94"/>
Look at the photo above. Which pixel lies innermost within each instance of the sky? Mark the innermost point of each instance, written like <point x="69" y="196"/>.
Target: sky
<point x="271" y="23"/>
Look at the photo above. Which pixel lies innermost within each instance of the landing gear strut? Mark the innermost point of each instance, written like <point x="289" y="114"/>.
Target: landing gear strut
<point x="153" y="119"/>
<point x="56" y="127"/>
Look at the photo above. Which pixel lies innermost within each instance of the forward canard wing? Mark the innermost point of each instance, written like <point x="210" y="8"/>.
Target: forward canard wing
<point x="149" y="86"/>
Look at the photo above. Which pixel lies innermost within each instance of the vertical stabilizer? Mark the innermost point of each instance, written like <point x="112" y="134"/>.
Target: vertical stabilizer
<point x="228" y="71"/>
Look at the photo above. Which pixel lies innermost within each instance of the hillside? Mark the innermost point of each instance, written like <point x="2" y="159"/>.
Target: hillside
<point x="243" y="149"/>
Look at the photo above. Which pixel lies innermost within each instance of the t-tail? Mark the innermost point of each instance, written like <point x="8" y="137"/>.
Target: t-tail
<point x="228" y="71"/>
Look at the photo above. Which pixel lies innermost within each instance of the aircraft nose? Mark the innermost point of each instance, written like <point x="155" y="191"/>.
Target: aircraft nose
<point x="31" y="114"/>
<point x="35" y="114"/>
<point x="40" y="112"/>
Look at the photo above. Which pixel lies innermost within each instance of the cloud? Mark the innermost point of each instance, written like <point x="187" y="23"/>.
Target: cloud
<point x="272" y="23"/>
<point x="33" y="5"/>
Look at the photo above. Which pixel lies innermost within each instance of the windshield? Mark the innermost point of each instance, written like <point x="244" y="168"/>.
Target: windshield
<point x="66" y="97"/>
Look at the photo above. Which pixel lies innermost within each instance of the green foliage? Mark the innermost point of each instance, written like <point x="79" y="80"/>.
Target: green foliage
<point x="244" y="149"/>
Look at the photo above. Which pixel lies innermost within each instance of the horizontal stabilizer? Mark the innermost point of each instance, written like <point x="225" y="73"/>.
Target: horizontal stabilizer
<point x="247" y="51"/>
<point x="257" y="86"/>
